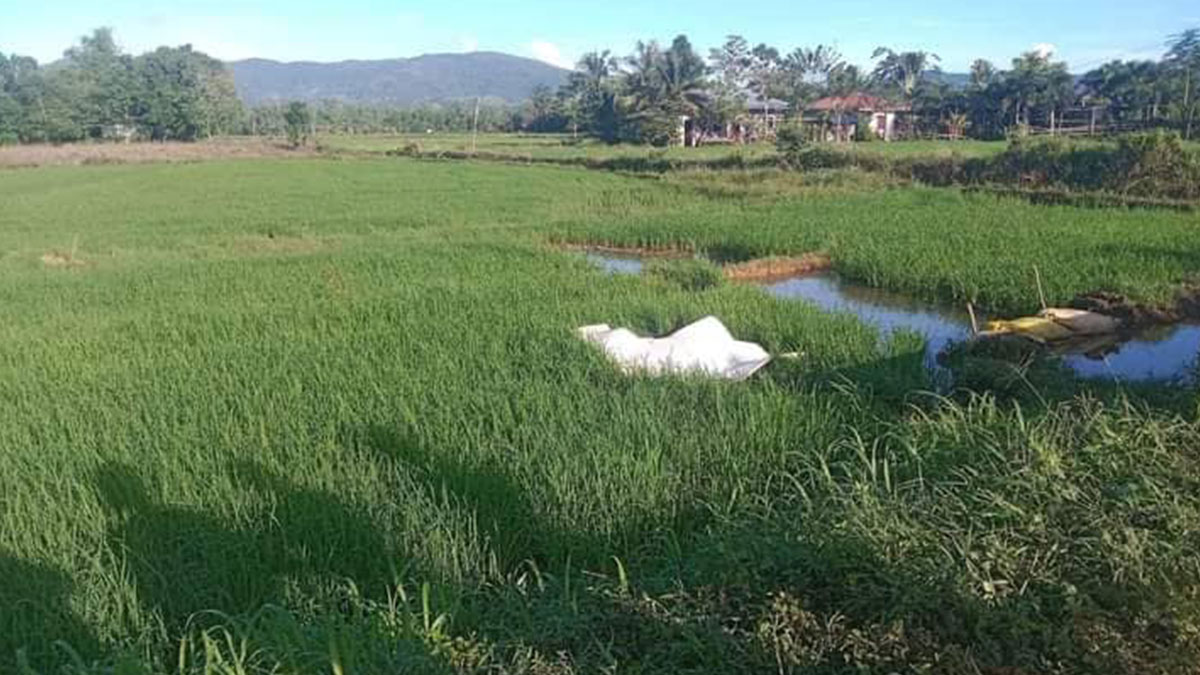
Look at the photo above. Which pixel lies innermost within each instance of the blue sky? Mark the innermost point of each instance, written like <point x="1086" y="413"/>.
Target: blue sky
<point x="1084" y="33"/>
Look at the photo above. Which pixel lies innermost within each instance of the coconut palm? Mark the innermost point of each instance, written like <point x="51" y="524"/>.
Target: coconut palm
<point x="904" y="70"/>
<point x="682" y="74"/>
<point x="591" y="89"/>
<point x="846" y="79"/>
<point x="814" y="64"/>
<point x="1183" y="56"/>
<point x="983" y="73"/>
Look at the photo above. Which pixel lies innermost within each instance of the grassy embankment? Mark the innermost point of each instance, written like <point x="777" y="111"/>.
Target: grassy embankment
<point x="306" y="414"/>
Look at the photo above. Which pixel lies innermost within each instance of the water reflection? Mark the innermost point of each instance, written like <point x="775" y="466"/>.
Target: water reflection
<point x="889" y="312"/>
<point x="616" y="264"/>
<point x="1160" y="353"/>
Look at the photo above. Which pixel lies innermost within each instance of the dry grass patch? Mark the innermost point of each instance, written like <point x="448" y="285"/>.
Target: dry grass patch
<point x="777" y="267"/>
<point x="59" y="259"/>
<point x="88" y="154"/>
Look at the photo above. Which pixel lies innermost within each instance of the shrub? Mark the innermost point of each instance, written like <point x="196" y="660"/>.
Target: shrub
<point x="1152" y="164"/>
<point x="790" y="139"/>
<point x="863" y="132"/>
<point x="691" y="274"/>
<point x="1157" y="164"/>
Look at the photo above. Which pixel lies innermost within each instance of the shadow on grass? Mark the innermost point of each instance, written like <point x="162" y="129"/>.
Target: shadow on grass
<point x="792" y="589"/>
<point x="35" y="613"/>
<point x="186" y="564"/>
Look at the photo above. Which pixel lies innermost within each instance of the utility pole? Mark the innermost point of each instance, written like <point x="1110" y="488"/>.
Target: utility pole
<point x="475" y="127"/>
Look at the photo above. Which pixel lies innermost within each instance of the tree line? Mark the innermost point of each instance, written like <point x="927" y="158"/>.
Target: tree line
<point x="96" y="91"/>
<point x="641" y="97"/>
<point x="177" y="93"/>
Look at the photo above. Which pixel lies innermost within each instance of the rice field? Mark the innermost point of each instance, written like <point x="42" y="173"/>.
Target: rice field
<point x="566" y="146"/>
<point x="316" y="416"/>
<point x="536" y="146"/>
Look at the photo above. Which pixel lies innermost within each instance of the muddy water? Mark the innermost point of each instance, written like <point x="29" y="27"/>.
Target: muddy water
<point x="1158" y="354"/>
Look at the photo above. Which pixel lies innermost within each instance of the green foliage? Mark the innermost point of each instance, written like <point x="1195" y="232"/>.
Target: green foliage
<point x="1154" y="164"/>
<point x="863" y="133"/>
<point x="904" y="71"/>
<point x="297" y="120"/>
<point x="188" y="95"/>
<point x="791" y="138"/>
<point x="97" y="92"/>
<point x="689" y="274"/>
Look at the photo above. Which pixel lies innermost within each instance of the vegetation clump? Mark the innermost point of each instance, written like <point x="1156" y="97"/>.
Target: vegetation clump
<point x="689" y="274"/>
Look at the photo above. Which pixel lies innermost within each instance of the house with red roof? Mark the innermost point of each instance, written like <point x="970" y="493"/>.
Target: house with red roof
<point x="841" y="115"/>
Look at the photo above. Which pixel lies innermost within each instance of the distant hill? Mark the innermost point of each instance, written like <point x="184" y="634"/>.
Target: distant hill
<point x="953" y="80"/>
<point x="423" y="79"/>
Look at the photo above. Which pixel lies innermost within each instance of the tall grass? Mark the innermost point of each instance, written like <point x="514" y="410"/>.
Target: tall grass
<point x="322" y="416"/>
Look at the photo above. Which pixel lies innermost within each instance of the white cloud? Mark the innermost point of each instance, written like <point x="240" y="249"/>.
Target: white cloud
<point x="550" y="53"/>
<point x="1044" y="49"/>
<point x="468" y="43"/>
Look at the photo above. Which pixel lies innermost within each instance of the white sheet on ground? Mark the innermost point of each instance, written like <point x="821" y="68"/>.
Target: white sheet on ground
<point x="705" y="347"/>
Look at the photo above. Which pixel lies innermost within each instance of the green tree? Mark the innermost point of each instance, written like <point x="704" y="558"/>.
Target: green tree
<point x="731" y="64"/>
<point x="764" y="74"/>
<point x="103" y="82"/>
<point x="904" y="70"/>
<point x="664" y="85"/>
<point x="846" y="79"/>
<point x="1037" y="84"/>
<point x="185" y="95"/>
<point x="1183" y="59"/>
<point x="593" y="87"/>
<point x="983" y="74"/>
<point x="545" y="111"/>
<point x="814" y="64"/>
<point x="297" y="119"/>
<point x="1132" y="90"/>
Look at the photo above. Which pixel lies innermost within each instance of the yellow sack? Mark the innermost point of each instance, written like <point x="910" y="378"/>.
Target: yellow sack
<point x="1081" y="322"/>
<point x="1036" y="327"/>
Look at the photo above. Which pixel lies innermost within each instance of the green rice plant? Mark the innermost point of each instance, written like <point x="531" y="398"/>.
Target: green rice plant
<point x="310" y="415"/>
<point x="690" y="274"/>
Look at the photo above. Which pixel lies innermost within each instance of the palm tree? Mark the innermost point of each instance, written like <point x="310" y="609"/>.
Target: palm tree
<point x="665" y="85"/>
<point x="594" y="69"/>
<point x="642" y="76"/>
<point x="846" y="79"/>
<point x="983" y="73"/>
<point x="814" y="64"/>
<point x="682" y="73"/>
<point x="1035" y="81"/>
<point x="1183" y="56"/>
<point x="591" y="89"/>
<point x="905" y="69"/>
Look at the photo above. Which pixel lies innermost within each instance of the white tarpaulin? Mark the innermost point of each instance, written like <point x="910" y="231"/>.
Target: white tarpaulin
<point x="705" y="347"/>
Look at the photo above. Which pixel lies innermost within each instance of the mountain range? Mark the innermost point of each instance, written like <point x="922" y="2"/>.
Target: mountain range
<point x="423" y="79"/>
<point x="432" y="78"/>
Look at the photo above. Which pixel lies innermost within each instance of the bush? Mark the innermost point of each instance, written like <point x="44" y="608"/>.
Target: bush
<point x="690" y="274"/>
<point x="1153" y="164"/>
<point x="863" y="133"/>
<point x="1157" y="165"/>
<point x="819" y="157"/>
<point x="790" y="139"/>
